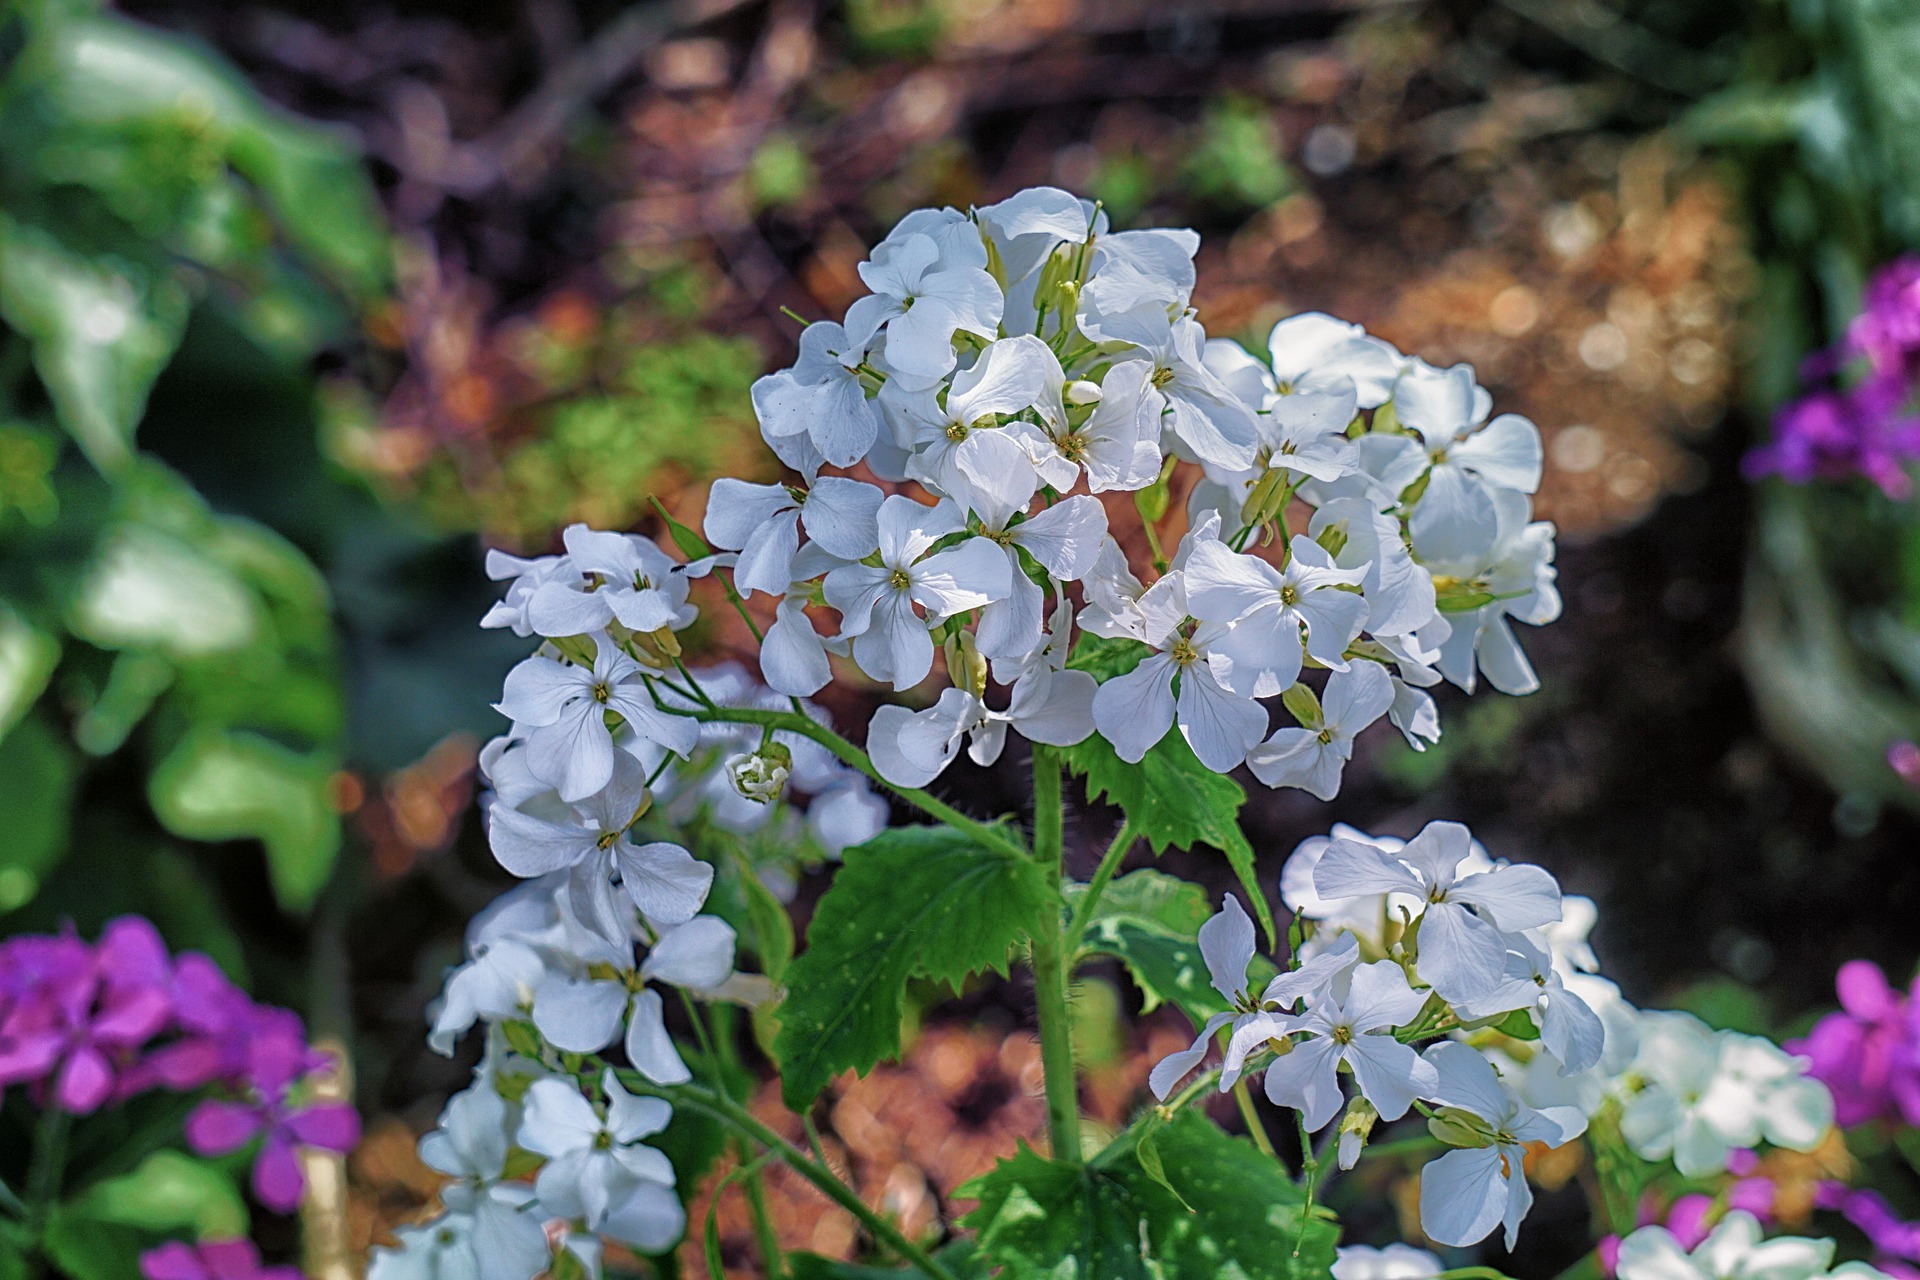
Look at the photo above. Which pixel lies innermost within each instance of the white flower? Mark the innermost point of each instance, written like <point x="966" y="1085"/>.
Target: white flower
<point x="597" y="1170"/>
<point x="616" y="577"/>
<point x="1734" y="1250"/>
<point x="821" y="400"/>
<point x="663" y="880"/>
<point x="1518" y="574"/>
<point x="1063" y="539"/>
<point x="1462" y="954"/>
<point x="1359" y="1032"/>
<point x="1395" y="1262"/>
<point x="961" y="448"/>
<point x="1313" y="352"/>
<point x="1414" y="713"/>
<point x="793" y="656"/>
<point x="527" y="577"/>
<point x="890" y="641"/>
<point x="912" y="748"/>
<point x="564" y="706"/>
<point x="495" y="983"/>
<point x="1399" y="593"/>
<point x="1137" y="277"/>
<point x="1268" y="613"/>
<point x="1307" y="434"/>
<point x="1571" y="1032"/>
<point x="1226" y="944"/>
<point x="470" y="1145"/>
<point x="922" y="303"/>
<point x="1118" y="444"/>
<point x="1312" y="757"/>
<point x="1201" y="411"/>
<point x="584" y="1015"/>
<point x="1705" y="1094"/>
<point x="1465" y="464"/>
<point x="846" y="815"/>
<point x="1134" y="710"/>
<point x="762" y="522"/>
<point x="1482" y="1182"/>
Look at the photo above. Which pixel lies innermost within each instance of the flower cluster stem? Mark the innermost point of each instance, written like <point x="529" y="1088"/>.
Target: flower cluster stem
<point x="1102" y="876"/>
<point x="806" y="727"/>
<point x="1050" y="964"/>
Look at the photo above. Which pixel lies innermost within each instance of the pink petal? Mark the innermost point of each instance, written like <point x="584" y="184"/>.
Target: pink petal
<point x="84" y="1082"/>
<point x="230" y="1259"/>
<point x="277" y="1181"/>
<point x="131" y="950"/>
<point x="332" y="1125"/>
<point x="132" y="1016"/>
<point x="185" y="1064"/>
<point x="214" y="1128"/>
<point x="172" y="1261"/>
<point x="1864" y="991"/>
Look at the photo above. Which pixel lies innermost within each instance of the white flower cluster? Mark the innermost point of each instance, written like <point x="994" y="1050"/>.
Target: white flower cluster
<point x="573" y="962"/>
<point x="1012" y="356"/>
<point x="1430" y="940"/>
<point x="1734" y="1250"/>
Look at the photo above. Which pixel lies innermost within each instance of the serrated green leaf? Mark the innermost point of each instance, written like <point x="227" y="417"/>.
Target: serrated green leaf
<point x="1167" y="967"/>
<point x="960" y="1258"/>
<point x="1247" y="1213"/>
<point x="1170" y="797"/>
<point x="912" y="902"/>
<point x="1153" y="897"/>
<point x="1046" y="1218"/>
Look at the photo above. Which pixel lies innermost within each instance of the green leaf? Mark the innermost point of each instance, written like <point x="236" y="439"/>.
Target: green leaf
<point x="168" y="1192"/>
<point x="1170" y="797"/>
<point x="1046" y="1218"/>
<point x="229" y="786"/>
<point x="1519" y="1025"/>
<point x="772" y="926"/>
<point x="28" y="656"/>
<point x="1154" y="898"/>
<point x="1247" y="1213"/>
<point x="1168" y="968"/>
<point x="1192" y="1202"/>
<point x="84" y="1248"/>
<point x="912" y="902"/>
<point x="37" y="778"/>
<point x="100" y="334"/>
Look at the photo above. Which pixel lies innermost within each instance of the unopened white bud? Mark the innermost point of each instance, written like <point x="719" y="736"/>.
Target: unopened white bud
<point x="760" y="775"/>
<point x="1083" y="392"/>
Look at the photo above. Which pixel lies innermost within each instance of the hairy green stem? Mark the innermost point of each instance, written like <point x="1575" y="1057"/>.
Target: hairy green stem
<point x="725" y="1110"/>
<point x="1050" y="964"/>
<point x="1255" y="1130"/>
<point x="1309" y="1177"/>
<point x="806" y="727"/>
<point x="1102" y="876"/>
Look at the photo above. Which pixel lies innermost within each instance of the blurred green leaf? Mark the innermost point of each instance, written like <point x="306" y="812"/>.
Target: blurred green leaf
<point x="38" y="774"/>
<point x="85" y="1248"/>
<point x="28" y="656"/>
<point x="170" y="1191"/>
<point x="229" y="786"/>
<point x="101" y="333"/>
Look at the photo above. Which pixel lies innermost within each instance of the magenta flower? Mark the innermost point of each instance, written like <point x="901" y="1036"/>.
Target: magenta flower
<point x="217" y="1023"/>
<point x="277" y="1058"/>
<point x="1890" y="1235"/>
<point x="210" y="1260"/>
<point x="1867" y="1054"/>
<point x="79" y="1014"/>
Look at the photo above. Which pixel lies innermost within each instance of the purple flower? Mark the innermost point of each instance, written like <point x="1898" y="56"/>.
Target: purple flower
<point x="277" y="1058"/>
<point x="1887" y="330"/>
<point x="1890" y="1235"/>
<point x="1834" y="435"/>
<point x="79" y="1014"/>
<point x="1868" y="1053"/>
<point x="210" y="1260"/>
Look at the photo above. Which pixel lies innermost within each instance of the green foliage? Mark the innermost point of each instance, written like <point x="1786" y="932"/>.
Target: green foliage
<point x="961" y="1258"/>
<point x="912" y="902"/>
<point x="1147" y="920"/>
<point x="37" y="773"/>
<point x="780" y="172"/>
<point x="1238" y="160"/>
<point x="1200" y="1204"/>
<point x="1169" y="796"/>
<point x="167" y="1192"/>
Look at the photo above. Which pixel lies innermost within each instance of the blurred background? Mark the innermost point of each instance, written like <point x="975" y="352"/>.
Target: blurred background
<point x="305" y="304"/>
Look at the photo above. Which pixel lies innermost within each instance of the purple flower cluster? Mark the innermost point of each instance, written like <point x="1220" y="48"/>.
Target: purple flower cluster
<point x="1896" y="1242"/>
<point x="1868" y="427"/>
<point x="1868" y="1053"/>
<point x="83" y="1026"/>
<point x="210" y="1260"/>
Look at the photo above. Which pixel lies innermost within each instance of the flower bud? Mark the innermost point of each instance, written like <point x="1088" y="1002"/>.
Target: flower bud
<point x="1355" y="1128"/>
<point x="965" y="667"/>
<point x="1083" y="392"/>
<point x="759" y="776"/>
<point x="1458" y="1128"/>
<point x="1304" y="706"/>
